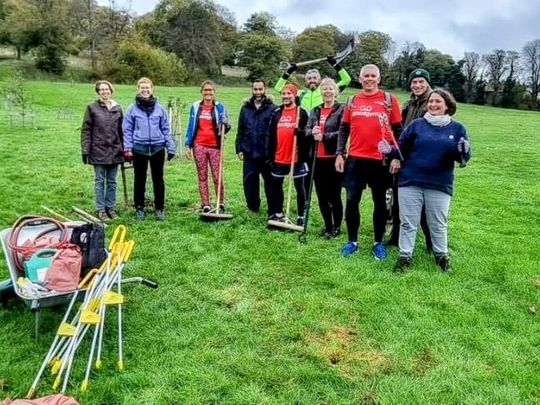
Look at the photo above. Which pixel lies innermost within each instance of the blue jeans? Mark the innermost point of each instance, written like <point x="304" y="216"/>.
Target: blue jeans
<point x="105" y="186"/>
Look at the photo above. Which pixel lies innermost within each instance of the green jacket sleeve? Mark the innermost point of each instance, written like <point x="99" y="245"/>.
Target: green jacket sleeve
<point x="280" y="84"/>
<point x="344" y="79"/>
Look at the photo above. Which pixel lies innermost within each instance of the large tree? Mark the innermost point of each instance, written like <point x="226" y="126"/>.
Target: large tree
<point x="262" y="22"/>
<point x="531" y="62"/>
<point x="41" y="25"/>
<point x="496" y="66"/>
<point x="410" y="58"/>
<point x="192" y="30"/>
<point x="470" y="67"/>
<point x="439" y="66"/>
<point x="317" y="42"/>
<point x="373" y="47"/>
<point x="260" y="48"/>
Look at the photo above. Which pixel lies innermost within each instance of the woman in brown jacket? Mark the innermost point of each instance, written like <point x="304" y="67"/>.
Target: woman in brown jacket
<point x="101" y="144"/>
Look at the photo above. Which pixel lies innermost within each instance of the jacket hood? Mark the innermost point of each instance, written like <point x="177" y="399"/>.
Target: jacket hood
<point x="268" y="99"/>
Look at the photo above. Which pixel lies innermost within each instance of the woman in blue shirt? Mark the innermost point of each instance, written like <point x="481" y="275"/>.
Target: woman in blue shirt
<point x="430" y="146"/>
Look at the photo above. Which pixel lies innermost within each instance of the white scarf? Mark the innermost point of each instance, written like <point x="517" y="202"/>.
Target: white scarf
<point x="438" y="120"/>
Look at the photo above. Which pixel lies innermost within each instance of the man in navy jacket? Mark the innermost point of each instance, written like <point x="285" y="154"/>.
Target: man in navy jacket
<point x="250" y="143"/>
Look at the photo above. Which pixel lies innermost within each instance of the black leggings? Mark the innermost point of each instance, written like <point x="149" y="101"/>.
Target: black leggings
<point x="328" y="187"/>
<point x="275" y="203"/>
<point x="140" y="168"/>
<point x="360" y="173"/>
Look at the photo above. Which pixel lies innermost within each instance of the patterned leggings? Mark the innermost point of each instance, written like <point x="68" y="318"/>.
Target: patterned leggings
<point x="203" y="156"/>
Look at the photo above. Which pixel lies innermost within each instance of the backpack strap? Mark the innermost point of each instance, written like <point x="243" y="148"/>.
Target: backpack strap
<point x="388" y="103"/>
<point x="350" y="101"/>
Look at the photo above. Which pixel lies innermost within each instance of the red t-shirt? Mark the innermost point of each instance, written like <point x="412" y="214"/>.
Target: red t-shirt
<point x="205" y="135"/>
<point x="325" y="112"/>
<point x="285" y="136"/>
<point x="369" y="121"/>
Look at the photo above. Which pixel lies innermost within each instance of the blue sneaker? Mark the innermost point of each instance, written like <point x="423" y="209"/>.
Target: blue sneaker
<point x="349" y="248"/>
<point x="379" y="251"/>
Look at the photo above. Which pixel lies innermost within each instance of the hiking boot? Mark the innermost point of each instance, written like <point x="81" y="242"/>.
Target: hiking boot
<point x="112" y="213"/>
<point x="444" y="263"/>
<point x="379" y="251"/>
<point x="402" y="264"/>
<point x="206" y="209"/>
<point x="300" y="221"/>
<point x="139" y="215"/>
<point x="102" y="215"/>
<point x="349" y="248"/>
<point x="160" y="214"/>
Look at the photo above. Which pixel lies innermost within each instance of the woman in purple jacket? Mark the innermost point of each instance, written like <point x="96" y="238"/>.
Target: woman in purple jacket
<point x="147" y="139"/>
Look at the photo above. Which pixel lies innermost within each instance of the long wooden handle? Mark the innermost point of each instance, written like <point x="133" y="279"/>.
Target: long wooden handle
<point x="221" y="146"/>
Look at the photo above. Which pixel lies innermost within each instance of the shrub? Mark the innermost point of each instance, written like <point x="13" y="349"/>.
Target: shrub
<point x="136" y="59"/>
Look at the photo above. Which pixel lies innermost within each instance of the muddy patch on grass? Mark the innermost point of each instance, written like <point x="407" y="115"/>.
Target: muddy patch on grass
<point x="343" y="348"/>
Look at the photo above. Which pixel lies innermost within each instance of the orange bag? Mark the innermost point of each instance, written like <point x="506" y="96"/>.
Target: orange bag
<point x="65" y="270"/>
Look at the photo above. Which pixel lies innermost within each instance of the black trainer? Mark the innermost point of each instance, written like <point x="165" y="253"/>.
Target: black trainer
<point x="325" y="233"/>
<point x="402" y="264"/>
<point x="444" y="263"/>
<point x="336" y="232"/>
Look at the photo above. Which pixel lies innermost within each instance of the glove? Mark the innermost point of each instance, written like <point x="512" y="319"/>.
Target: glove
<point x="384" y="147"/>
<point x="85" y="158"/>
<point x="463" y="146"/>
<point x="332" y="60"/>
<point x="128" y="156"/>
<point x="170" y="156"/>
<point x="291" y="69"/>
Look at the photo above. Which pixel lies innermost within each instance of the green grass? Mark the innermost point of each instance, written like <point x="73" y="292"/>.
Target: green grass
<point x="248" y="315"/>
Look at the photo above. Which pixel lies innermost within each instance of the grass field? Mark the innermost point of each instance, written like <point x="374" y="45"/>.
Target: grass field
<point x="248" y="315"/>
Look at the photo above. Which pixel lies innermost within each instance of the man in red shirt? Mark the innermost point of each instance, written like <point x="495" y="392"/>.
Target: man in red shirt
<point x="287" y="122"/>
<point x="369" y="117"/>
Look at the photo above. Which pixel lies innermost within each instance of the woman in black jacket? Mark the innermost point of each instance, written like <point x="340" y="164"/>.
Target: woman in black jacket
<point x="101" y="146"/>
<point x="323" y="128"/>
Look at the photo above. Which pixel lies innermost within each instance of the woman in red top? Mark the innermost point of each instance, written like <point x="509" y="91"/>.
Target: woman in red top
<point x="203" y="140"/>
<point x="323" y="127"/>
<point x="286" y="122"/>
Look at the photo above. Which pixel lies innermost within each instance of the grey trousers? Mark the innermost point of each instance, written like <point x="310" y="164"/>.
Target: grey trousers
<point x="437" y="205"/>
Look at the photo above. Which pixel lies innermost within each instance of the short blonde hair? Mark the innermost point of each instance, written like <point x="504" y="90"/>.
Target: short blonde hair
<point x="144" y="80"/>
<point x="327" y="81"/>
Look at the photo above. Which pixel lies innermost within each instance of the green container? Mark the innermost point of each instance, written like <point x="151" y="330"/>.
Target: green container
<point x="36" y="267"/>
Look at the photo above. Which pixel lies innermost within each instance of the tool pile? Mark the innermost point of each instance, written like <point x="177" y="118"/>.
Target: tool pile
<point x="102" y="288"/>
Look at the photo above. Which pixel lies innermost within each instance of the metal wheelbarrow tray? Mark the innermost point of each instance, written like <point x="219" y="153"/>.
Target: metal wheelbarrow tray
<point x="35" y="302"/>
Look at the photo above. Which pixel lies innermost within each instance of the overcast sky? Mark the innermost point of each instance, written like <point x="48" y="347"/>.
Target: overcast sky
<point x="452" y="26"/>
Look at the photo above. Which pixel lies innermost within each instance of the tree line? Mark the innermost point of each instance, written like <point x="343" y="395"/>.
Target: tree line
<point x="183" y="41"/>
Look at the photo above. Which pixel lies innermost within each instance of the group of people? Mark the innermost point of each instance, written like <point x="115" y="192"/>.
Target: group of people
<point x="368" y="141"/>
<point x="141" y="136"/>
